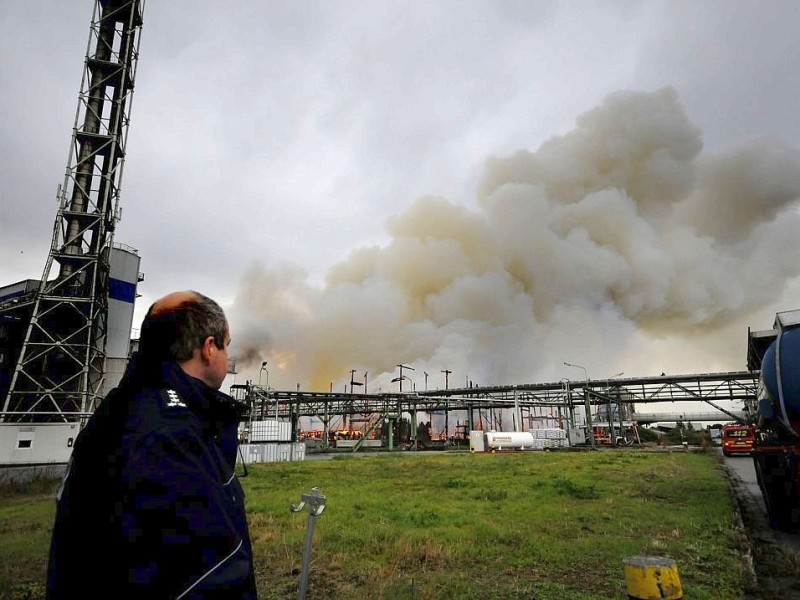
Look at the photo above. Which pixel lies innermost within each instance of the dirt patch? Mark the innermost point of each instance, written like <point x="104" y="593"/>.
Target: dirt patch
<point x="773" y="557"/>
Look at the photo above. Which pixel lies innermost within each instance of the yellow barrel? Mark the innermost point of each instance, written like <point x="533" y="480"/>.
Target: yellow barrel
<point x="652" y="578"/>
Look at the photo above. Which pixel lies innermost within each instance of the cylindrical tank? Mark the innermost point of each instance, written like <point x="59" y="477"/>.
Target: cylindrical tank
<point x="779" y="394"/>
<point x="123" y="280"/>
<point x="508" y="440"/>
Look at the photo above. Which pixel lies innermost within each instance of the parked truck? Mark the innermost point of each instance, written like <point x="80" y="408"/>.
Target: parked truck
<point x="776" y="420"/>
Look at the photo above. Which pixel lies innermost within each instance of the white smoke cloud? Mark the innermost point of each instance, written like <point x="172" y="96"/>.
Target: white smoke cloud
<point x="619" y="246"/>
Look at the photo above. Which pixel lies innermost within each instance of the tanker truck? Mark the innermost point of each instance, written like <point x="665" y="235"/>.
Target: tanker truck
<point x="776" y="420"/>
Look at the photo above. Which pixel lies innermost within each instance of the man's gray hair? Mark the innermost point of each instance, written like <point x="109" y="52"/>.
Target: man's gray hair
<point x="172" y="333"/>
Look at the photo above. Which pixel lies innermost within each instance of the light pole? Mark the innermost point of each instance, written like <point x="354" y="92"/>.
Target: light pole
<point x="263" y="368"/>
<point x="579" y="367"/>
<point x="400" y="379"/>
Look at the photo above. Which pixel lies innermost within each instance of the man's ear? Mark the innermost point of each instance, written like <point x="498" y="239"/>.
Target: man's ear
<point x="205" y="351"/>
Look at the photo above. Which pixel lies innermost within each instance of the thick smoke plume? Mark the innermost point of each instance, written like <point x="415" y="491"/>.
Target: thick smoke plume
<point x="619" y="246"/>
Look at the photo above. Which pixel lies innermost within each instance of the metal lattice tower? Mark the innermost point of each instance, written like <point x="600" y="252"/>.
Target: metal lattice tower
<point x="59" y="371"/>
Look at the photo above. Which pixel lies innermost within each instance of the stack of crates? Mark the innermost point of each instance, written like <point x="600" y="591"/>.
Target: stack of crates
<point x="549" y="438"/>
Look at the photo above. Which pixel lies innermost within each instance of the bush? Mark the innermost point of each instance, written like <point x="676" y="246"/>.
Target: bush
<point x="692" y="437"/>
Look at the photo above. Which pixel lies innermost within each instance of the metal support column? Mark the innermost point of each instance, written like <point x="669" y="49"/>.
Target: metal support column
<point x="589" y="424"/>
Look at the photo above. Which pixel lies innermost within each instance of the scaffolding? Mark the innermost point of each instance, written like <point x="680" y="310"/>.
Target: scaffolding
<point x="60" y="368"/>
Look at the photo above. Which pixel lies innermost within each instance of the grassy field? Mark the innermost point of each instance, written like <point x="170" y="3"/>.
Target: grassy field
<point x="534" y="525"/>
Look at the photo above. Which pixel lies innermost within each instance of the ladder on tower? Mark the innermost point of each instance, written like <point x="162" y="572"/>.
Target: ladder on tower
<point x="59" y="372"/>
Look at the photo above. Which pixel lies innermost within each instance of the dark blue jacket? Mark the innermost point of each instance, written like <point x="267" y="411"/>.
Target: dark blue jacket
<point x="150" y="507"/>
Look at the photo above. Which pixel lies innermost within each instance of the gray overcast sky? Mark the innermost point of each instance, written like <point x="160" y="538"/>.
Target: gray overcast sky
<point x="266" y="134"/>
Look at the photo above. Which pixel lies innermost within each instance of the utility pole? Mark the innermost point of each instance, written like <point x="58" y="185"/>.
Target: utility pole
<point x="446" y="378"/>
<point x="400" y="379"/>
<point x="352" y="381"/>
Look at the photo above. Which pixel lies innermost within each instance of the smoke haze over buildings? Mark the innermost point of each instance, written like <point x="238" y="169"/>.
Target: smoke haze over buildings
<point x="280" y="155"/>
<point x="620" y="245"/>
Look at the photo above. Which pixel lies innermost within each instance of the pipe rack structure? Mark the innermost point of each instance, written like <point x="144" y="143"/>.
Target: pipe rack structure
<point x="706" y="388"/>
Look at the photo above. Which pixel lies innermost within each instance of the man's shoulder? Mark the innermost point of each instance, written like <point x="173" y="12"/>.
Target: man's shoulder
<point x="135" y="412"/>
<point x="160" y="406"/>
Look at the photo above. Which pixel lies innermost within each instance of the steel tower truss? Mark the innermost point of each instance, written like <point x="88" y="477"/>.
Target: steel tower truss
<point x="59" y="371"/>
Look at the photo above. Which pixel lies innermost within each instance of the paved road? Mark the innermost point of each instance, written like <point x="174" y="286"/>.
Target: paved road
<point x="742" y="467"/>
<point x="776" y="554"/>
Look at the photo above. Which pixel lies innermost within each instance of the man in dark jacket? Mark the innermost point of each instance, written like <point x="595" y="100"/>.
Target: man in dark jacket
<point x="150" y="507"/>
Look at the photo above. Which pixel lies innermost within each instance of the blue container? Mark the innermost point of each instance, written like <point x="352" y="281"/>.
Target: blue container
<point x="780" y="376"/>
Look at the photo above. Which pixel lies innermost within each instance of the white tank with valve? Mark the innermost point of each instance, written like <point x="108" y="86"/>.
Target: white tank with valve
<point x="509" y="440"/>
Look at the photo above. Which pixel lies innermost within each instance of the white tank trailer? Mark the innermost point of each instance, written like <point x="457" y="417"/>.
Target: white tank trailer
<point x="534" y="439"/>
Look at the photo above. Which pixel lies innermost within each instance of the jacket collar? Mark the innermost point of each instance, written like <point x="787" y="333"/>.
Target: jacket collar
<point x="213" y="406"/>
<point x="216" y="409"/>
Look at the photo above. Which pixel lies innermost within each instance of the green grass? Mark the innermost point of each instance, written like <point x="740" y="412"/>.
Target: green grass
<point x="542" y="525"/>
<point x="26" y="518"/>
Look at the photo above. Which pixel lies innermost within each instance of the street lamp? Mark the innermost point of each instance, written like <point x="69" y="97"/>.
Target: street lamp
<point x="263" y="368"/>
<point x="610" y="377"/>
<point x="579" y="367"/>
<point x="400" y="379"/>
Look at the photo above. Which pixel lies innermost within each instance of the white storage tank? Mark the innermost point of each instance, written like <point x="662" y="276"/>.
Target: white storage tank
<point x="123" y="281"/>
<point x="509" y="440"/>
<point x="534" y="439"/>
